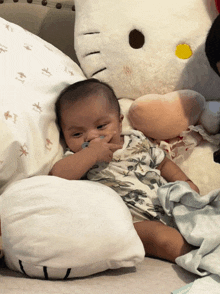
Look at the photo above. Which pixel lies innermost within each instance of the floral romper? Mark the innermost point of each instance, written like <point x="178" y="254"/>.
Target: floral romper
<point x="133" y="174"/>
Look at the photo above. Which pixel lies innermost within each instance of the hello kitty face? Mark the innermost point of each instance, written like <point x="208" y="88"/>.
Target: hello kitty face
<point x="142" y="47"/>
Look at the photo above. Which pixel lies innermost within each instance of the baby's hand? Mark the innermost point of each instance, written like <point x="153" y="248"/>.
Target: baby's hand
<point x="102" y="149"/>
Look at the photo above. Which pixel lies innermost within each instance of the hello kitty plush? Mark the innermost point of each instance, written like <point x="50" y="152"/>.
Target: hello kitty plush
<point x="152" y="54"/>
<point x="144" y="47"/>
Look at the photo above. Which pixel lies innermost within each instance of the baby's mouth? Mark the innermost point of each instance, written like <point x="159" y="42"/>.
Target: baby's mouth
<point x="86" y="144"/>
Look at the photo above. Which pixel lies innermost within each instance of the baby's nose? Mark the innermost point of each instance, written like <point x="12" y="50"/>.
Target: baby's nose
<point x="92" y="135"/>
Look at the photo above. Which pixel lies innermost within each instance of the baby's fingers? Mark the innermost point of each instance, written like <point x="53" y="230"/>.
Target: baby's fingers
<point x="108" y="137"/>
<point x="114" y="147"/>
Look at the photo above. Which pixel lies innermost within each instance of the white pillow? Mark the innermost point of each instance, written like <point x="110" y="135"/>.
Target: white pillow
<point x="32" y="74"/>
<point x="52" y="227"/>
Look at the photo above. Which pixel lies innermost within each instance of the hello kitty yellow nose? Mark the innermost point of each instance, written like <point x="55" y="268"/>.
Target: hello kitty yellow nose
<point x="183" y="51"/>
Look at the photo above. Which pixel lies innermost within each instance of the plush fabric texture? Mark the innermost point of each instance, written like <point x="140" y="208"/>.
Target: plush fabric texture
<point x="151" y="48"/>
<point x="32" y="74"/>
<point x="147" y="47"/>
<point x="59" y="227"/>
<point x="154" y="48"/>
<point x="166" y="116"/>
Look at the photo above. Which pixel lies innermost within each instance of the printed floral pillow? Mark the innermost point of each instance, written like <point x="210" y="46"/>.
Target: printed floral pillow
<point x="32" y="74"/>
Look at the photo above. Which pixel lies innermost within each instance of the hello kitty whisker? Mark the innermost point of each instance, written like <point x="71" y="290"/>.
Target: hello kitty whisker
<point x="91" y="33"/>
<point x="98" y="71"/>
<point x="91" y="53"/>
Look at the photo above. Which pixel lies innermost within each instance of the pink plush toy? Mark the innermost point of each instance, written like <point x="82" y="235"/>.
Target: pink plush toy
<point x="166" y="116"/>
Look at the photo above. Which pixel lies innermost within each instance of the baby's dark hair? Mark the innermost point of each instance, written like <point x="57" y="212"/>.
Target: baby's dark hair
<point x="212" y="45"/>
<point x="83" y="89"/>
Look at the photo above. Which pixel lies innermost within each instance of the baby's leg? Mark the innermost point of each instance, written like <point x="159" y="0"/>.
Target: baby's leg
<point x="161" y="241"/>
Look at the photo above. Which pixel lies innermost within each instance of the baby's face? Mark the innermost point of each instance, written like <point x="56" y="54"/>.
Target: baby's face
<point x="84" y="121"/>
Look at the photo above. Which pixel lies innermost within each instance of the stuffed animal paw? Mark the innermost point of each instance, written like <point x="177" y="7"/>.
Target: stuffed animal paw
<point x="164" y="117"/>
<point x="210" y="117"/>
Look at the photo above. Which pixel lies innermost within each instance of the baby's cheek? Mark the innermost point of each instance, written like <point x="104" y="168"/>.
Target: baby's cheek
<point x="75" y="145"/>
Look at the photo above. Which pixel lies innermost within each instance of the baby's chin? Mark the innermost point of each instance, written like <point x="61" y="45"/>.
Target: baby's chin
<point x="75" y="150"/>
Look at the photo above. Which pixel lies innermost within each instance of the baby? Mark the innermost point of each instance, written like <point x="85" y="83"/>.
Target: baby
<point x="89" y="116"/>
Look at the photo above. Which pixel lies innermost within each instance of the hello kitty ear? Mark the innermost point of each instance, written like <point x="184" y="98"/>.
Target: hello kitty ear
<point x="217" y="3"/>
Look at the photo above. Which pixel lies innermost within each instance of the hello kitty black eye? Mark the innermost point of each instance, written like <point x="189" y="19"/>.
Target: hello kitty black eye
<point x="136" y="39"/>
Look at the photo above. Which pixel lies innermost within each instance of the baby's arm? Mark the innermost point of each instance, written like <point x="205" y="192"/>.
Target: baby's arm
<point x="73" y="167"/>
<point x="171" y="172"/>
<point x="162" y="241"/>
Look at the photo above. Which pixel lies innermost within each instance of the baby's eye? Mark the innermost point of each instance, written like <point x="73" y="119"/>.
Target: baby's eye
<point x="101" y="126"/>
<point x="77" y="135"/>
